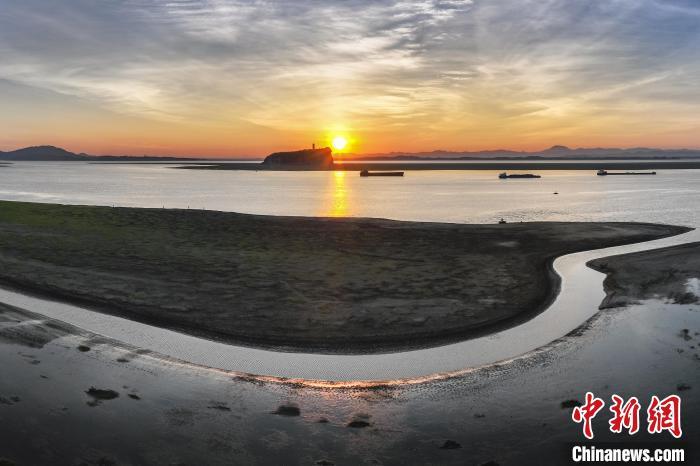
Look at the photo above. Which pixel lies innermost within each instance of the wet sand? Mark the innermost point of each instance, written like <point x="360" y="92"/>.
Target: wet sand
<point x="671" y="273"/>
<point x="69" y="397"/>
<point x="293" y="283"/>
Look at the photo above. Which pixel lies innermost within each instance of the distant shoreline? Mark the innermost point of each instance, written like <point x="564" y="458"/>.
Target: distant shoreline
<point x="467" y="165"/>
<point x="553" y="154"/>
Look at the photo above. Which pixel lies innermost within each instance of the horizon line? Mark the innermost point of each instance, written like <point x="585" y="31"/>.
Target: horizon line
<point x="552" y="149"/>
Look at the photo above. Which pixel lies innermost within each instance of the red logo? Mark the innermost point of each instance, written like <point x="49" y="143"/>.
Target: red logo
<point x="625" y="415"/>
<point x="587" y="412"/>
<point x="665" y="415"/>
<point x="662" y="415"/>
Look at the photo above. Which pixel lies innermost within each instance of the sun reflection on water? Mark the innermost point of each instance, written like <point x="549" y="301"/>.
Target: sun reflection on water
<point x="339" y="199"/>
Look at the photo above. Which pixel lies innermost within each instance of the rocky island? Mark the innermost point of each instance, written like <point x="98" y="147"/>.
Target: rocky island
<point x="306" y="159"/>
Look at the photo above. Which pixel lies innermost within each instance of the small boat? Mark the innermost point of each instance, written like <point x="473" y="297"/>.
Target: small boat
<point x="501" y="221"/>
<point x="505" y="175"/>
<point x="369" y="173"/>
<point x="606" y="173"/>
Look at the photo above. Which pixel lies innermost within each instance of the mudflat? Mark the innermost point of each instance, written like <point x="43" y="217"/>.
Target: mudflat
<point x="671" y="273"/>
<point x="295" y="283"/>
<point x="76" y="398"/>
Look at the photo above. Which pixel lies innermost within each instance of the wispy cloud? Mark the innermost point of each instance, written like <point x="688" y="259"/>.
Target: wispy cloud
<point x="457" y="72"/>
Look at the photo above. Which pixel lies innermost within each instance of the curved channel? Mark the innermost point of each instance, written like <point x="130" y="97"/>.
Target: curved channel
<point x="580" y="295"/>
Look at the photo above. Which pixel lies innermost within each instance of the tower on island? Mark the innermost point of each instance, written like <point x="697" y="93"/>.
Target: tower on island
<point x="305" y="159"/>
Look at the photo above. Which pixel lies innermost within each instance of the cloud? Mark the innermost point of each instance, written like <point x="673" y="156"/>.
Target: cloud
<point x="456" y="69"/>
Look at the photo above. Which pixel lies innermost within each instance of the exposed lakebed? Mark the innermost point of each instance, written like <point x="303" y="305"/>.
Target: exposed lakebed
<point x="296" y="283"/>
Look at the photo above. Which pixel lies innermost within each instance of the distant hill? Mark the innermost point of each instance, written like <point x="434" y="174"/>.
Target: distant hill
<point x="554" y="152"/>
<point x="41" y="153"/>
<point x="57" y="154"/>
<point x="52" y="153"/>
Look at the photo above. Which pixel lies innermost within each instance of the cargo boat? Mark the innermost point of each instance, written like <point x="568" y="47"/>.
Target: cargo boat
<point x="369" y="173"/>
<point x="606" y="173"/>
<point x="505" y="175"/>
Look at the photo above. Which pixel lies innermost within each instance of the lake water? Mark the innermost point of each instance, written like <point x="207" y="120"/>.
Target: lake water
<point x="454" y="196"/>
<point x="634" y="351"/>
<point x="469" y="196"/>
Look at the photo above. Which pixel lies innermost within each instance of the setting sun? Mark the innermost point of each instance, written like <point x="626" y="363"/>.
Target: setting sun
<point x="339" y="143"/>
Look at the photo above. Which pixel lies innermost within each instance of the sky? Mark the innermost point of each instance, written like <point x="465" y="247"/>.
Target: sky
<point x="245" y="78"/>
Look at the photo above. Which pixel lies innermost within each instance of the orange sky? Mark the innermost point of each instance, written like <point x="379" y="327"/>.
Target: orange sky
<point x="226" y="79"/>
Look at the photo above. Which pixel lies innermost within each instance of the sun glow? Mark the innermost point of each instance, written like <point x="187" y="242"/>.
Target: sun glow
<point x="339" y="143"/>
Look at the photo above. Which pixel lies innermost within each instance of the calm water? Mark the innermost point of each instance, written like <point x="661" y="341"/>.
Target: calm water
<point x="633" y="351"/>
<point x="453" y="196"/>
<point x="456" y="196"/>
